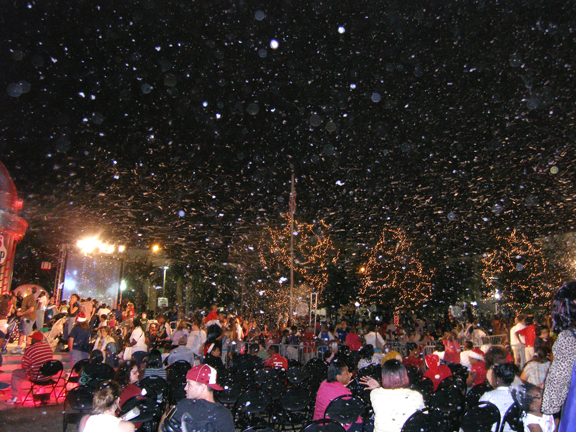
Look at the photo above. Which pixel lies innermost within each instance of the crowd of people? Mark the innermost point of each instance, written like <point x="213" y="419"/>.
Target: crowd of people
<point x="510" y="359"/>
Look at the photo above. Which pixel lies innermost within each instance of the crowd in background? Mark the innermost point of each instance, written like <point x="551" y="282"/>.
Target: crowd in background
<point x="138" y="344"/>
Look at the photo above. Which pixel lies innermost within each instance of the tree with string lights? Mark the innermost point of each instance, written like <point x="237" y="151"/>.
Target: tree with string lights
<point x="314" y="251"/>
<point x="517" y="273"/>
<point x="394" y="275"/>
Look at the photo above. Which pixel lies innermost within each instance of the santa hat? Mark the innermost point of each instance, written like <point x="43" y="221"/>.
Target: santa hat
<point x="81" y="317"/>
<point x="432" y="361"/>
<point x="477" y="354"/>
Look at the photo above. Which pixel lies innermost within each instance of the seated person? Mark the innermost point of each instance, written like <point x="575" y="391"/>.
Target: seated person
<point x="154" y="365"/>
<point x="182" y="352"/>
<point x="436" y="372"/>
<point x="248" y="361"/>
<point x="529" y="398"/>
<point x="504" y="375"/>
<point x="214" y="357"/>
<point x="393" y="402"/>
<point x="333" y="386"/>
<point x="275" y="361"/>
<point x="477" y="374"/>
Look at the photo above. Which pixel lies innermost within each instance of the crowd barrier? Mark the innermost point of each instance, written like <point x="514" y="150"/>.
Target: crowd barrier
<point x="304" y="351"/>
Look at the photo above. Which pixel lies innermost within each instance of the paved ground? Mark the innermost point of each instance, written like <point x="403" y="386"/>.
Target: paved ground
<point x="28" y="418"/>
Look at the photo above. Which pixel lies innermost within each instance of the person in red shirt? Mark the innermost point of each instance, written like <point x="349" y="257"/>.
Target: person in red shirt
<point x="213" y="315"/>
<point x="436" y="372"/>
<point x="477" y="374"/>
<point x="451" y="348"/>
<point x="414" y="358"/>
<point x="275" y="361"/>
<point x="353" y="340"/>
<point x="529" y="333"/>
<point x="38" y="353"/>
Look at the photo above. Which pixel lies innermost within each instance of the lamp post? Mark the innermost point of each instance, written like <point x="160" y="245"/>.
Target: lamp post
<point x="164" y="282"/>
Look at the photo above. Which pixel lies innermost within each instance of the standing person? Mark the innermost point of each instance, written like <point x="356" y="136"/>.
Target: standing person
<point x="353" y="340"/>
<point x="138" y="342"/>
<point x="103" y="342"/>
<point x="5" y="311"/>
<point x="517" y="342"/>
<point x="27" y="314"/>
<point x="333" y="386"/>
<point x="199" y="410"/>
<point x="529" y="333"/>
<point x="79" y="340"/>
<point x="41" y="305"/>
<point x="88" y="308"/>
<point x="73" y="311"/>
<point x="196" y="340"/>
<point x="393" y="402"/>
<point x="342" y="331"/>
<point x="105" y="404"/>
<point x="373" y="338"/>
<point x="451" y="348"/>
<point x="38" y="353"/>
<point x="559" y="389"/>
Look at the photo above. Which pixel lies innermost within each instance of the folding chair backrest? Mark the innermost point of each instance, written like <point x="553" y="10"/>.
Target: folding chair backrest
<point x="345" y="409"/>
<point x="481" y="418"/>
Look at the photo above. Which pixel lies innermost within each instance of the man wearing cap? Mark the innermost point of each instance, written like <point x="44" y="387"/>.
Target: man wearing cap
<point x="38" y="353"/>
<point x="199" y="410"/>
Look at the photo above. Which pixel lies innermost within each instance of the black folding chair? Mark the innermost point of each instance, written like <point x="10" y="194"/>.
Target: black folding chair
<point x="345" y="410"/>
<point x="427" y="421"/>
<point x="176" y="390"/>
<point x="475" y="393"/>
<point x="74" y="377"/>
<point x="449" y="401"/>
<point x="481" y="418"/>
<point x="513" y="418"/>
<point x="323" y="425"/>
<point x="149" y="412"/>
<point x="156" y="385"/>
<point x="251" y="409"/>
<point x="48" y="376"/>
<point x="78" y="399"/>
<point x="296" y="407"/>
<point x="297" y="375"/>
<point x="177" y="369"/>
<point x="231" y="391"/>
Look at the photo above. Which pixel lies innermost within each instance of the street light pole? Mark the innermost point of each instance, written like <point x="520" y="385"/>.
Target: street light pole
<point x="164" y="282"/>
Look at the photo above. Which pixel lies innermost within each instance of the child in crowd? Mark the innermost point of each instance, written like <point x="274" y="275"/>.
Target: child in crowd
<point x="529" y="397"/>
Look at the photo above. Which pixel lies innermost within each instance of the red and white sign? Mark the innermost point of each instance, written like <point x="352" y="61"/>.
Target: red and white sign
<point x="46" y="265"/>
<point x="3" y="251"/>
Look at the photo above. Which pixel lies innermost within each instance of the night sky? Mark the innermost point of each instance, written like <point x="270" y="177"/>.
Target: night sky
<point x="181" y="121"/>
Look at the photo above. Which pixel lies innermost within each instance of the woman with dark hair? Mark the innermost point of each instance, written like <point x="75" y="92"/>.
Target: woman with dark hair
<point x="367" y="357"/>
<point x="393" y="402"/>
<point x="557" y="390"/>
<point x="501" y="397"/>
<point x="181" y="331"/>
<point x="73" y="311"/>
<point x="105" y="403"/>
<point x="333" y="386"/>
<point x="127" y="377"/>
<point x="79" y="340"/>
<point x="138" y="342"/>
<point x="154" y="365"/>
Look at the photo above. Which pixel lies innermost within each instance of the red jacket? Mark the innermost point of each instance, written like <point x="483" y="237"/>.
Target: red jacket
<point x="277" y="362"/>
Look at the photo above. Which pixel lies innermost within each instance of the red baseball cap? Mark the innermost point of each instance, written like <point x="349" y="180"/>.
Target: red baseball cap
<point x="38" y="336"/>
<point x="204" y="374"/>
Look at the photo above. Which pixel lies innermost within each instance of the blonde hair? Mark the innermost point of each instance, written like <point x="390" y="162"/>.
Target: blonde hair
<point x="105" y="396"/>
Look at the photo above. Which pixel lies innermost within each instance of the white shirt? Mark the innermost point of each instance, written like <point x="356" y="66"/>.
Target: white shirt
<point x="465" y="358"/>
<point x="105" y="311"/>
<point x="513" y="338"/>
<point x="196" y="339"/>
<point x="546" y="422"/>
<point x="393" y="407"/>
<point x="371" y="338"/>
<point x="138" y="336"/>
<point x="502" y="398"/>
<point x="41" y="303"/>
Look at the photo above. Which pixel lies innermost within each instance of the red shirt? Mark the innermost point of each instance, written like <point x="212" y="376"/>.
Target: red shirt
<point x="34" y="357"/>
<point x="438" y="375"/>
<point x="529" y="334"/>
<point x="452" y="351"/>
<point x="353" y="341"/>
<point x="480" y="369"/>
<point x="277" y="362"/>
<point x="413" y="361"/>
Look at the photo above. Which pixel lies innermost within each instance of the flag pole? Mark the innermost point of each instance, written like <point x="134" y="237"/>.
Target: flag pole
<point x="292" y="208"/>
